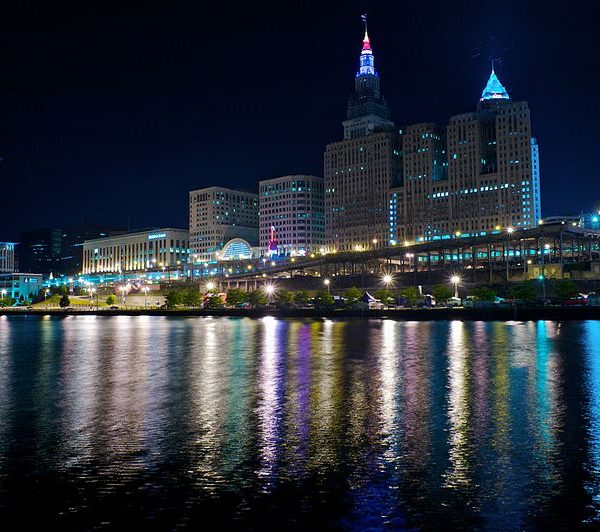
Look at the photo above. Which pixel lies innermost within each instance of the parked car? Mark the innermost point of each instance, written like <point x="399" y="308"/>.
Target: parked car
<point x="575" y="302"/>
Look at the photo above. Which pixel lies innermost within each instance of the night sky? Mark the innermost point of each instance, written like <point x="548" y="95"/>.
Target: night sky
<point x="111" y="114"/>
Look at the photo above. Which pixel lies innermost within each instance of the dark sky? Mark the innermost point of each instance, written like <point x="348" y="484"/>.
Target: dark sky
<point x="111" y="113"/>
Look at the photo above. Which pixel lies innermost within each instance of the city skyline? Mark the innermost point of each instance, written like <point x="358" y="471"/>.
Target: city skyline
<point x="115" y="180"/>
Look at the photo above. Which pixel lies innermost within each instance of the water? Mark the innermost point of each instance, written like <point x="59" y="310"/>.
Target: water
<point x="169" y="423"/>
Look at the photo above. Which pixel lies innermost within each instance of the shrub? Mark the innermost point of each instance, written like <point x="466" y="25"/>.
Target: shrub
<point x="257" y="298"/>
<point x="235" y="297"/>
<point x="526" y="291"/>
<point x="64" y="301"/>
<point x="483" y="293"/>
<point x="353" y="295"/>
<point x="302" y="297"/>
<point x="442" y="292"/>
<point x="566" y="289"/>
<point x="111" y="300"/>
<point x="324" y="299"/>
<point x="411" y="294"/>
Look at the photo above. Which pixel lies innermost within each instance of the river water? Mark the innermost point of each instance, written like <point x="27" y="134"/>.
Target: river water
<point x="160" y="423"/>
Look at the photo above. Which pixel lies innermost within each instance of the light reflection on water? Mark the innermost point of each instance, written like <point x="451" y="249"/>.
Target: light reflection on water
<point x="351" y="424"/>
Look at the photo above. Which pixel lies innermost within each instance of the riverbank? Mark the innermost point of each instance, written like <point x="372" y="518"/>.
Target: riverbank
<point x="434" y="314"/>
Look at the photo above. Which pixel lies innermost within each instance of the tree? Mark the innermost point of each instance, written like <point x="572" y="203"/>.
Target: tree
<point x="566" y="289"/>
<point x="111" y="300"/>
<point x="60" y="290"/>
<point x="483" y="293"/>
<point x="64" y="301"/>
<point x="257" y="298"/>
<point x="411" y="294"/>
<point x="324" y="299"/>
<point x="214" y="301"/>
<point x="442" y="292"/>
<point x="383" y="295"/>
<point x="236" y="297"/>
<point x="6" y="301"/>
<point x="285" y="298"/>
<point x="353" y="295"/>
<point x="302" y="297"/>
<point x="191" y="298"/>
<point x="173" y="298"/>
<point x="526" y="291"/>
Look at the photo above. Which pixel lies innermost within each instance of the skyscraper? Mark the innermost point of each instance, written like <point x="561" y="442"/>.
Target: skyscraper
<point x="360" y="169"/>
<point x="489" y="178"/>
<point x="217" y="215"/>
<point x="291" y="215"/>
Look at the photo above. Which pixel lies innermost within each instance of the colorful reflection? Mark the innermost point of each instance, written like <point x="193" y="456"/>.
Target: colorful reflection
<point x="351" y="424"/>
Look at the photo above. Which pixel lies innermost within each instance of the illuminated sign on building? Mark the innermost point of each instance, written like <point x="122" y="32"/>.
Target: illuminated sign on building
<point x="154" y="236"/>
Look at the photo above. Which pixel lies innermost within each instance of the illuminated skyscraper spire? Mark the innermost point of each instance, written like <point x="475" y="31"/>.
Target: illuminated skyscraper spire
<point x="367" y="108"/>
<point x="494" y="90"/>
<point x="367" y="60"/>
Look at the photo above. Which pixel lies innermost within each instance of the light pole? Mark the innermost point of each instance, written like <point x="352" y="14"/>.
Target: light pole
<point x="46" y="292"/>
<point x="327" y="282"/>
<point x="145" y="290"/>
<point x="269" y="290"/>
<point x="3" y="292"/>
<point x="509" y="231"/>
<point x="92" y="292"/>
<point x="455" y="280"/>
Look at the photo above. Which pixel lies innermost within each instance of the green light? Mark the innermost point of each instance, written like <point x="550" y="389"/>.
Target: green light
<point x="541" y="277"/>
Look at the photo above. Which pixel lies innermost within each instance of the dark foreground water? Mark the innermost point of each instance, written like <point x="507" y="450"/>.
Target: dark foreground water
<point x="174" y="423"/>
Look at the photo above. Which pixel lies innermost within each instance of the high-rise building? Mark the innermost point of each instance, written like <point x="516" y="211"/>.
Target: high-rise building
<point x="7" y="257"/>
<point x="360" y="169"/>
<point x="483" y="177"/>
<point x="58" y="251"/>
<point x="291" y="213"/>
<point x="39" y="251"/>
<point x="218" y="215"/>
<point x="71" y="245"/>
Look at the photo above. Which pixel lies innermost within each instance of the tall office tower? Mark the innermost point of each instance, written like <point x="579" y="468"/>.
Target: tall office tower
<point x="39" y="251"/>
<point x="72" y="239"/>
<point x="490" y="178"/>
<point x="425" y="171"/>
<point x="218" y="215"/>
<point x="291" y="213"/>
<point x="491" y="168"/>
<point x="360" y="169"/>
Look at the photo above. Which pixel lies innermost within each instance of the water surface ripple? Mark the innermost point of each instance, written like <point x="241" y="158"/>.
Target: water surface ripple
<point x="169" y="423"/>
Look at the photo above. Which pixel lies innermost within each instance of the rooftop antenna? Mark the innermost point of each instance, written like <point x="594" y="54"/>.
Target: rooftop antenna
<point x="364" y="19"/>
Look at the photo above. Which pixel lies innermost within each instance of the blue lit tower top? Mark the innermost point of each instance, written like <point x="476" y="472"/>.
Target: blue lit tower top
<point x="494" y="93"/>
<point x="366" y="102"/>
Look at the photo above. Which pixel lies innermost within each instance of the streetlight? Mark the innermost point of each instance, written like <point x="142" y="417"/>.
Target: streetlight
<point x="387" y="280"/>
<point x="3" y="292"/>
<point x="269" y="290"/>
<point x="509" y="232"/>
<point x="210" y="286"/>
<point x="92" y="292"/>
<point x="327" y="282"/>
<point x="145" y="290"/>
<point x="46" y="292"/>
<point x="455" y="280"/>
<point x="123" y="290"/>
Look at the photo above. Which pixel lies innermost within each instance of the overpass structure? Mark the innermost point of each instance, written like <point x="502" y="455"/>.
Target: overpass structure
<point x="550" y="250"/>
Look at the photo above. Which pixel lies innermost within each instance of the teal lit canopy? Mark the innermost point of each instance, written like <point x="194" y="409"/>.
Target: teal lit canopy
<point x="494" y="90"/>
<point x="236" y="248"/>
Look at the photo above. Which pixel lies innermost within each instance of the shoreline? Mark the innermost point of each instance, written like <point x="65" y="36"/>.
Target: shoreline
<point x="435" y="314"/>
